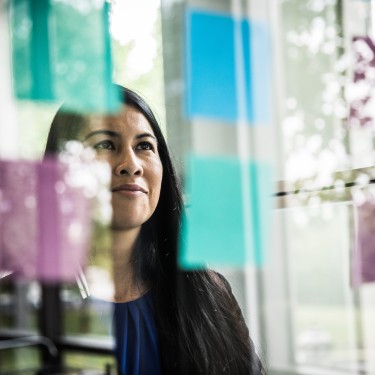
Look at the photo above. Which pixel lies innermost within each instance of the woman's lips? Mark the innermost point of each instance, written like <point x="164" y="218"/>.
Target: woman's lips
<point x="129" y="189"/>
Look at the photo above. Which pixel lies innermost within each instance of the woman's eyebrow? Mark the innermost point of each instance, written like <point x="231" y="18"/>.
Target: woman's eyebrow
<point x="105" y="132"/>
<point x="145" y="135"/>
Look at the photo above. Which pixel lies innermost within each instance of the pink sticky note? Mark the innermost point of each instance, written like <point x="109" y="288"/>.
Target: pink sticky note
<point x="44" y="221"/>
<point x="363" y="255"/>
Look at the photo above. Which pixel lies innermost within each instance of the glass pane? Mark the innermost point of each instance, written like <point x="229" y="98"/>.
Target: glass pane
<point x="19" y="361"/>
<point x="366" y="326"/>
<point x="102" y="364"/>
<point x="19" y="303"/>
<point x="322" y="299"/>
<point x="86" y="317"/>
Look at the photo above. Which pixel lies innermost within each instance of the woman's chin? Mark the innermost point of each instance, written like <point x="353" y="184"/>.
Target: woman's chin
<point x="121" y="224"/>
<point x="122" y="227"/>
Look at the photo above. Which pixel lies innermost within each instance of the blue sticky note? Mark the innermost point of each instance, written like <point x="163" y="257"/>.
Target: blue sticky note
<point x="211" y="70"/>
<point x="210" y="65"/>
<point x="247" y="72"/>
<point x="214" y="223"/>
<point x="61" y="51"/>
<point x="261" y="73"/>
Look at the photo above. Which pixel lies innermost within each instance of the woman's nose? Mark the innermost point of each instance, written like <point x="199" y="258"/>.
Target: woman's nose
<point x="128" y="164"/>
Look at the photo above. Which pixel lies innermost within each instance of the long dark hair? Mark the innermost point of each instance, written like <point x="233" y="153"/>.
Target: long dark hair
<point x="201" y="328"/>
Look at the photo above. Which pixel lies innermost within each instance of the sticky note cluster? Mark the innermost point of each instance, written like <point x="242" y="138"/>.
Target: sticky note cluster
<point x="61" y="51"/>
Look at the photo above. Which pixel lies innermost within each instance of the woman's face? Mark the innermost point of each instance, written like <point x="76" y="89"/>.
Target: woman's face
<point x="127" y="142"/>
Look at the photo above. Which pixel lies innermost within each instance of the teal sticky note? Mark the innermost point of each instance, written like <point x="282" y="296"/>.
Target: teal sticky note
<point x="82" y="57"/>
<point x="31" y="49"/>
<point x="61" y="51"/>
<point x="40" y="63"/>
<point x="261" y="204"/>
<point x="214" y="226"/>
<point x="21" y="27"/>
<point x="214" y="223"/>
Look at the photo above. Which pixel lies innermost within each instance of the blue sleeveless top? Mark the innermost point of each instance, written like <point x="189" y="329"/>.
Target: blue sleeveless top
<point x="137" y="348"/>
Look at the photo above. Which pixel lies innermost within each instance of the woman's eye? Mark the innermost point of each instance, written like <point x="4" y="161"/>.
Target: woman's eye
<point x="104" y="145"/>
<point x="145" y="146"/>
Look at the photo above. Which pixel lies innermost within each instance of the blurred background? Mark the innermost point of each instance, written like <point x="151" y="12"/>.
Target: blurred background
<point x="269" y="103"/>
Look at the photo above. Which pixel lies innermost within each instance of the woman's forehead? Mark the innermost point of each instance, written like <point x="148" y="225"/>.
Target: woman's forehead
<point x="128" y="119"/>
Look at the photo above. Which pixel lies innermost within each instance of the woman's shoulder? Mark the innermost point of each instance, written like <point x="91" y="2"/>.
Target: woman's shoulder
<point x="235" y="319"/>
<point x="220" y="279"/>
<point x="220" y="283"/>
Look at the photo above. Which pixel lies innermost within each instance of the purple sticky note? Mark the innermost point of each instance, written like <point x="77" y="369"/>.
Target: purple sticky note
<point x="45" y="222"/>
<point x="48" y="261"/>
<point x="361" y="91"/>
<point x="363" y="255"/>
<point x="18" y="211"/>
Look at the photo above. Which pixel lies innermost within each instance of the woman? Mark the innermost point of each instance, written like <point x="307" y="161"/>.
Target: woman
<point x="186" y="322"/>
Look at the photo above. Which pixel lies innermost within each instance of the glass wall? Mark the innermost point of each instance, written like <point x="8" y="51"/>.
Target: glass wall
<point x="267" y="107"/>
<point x="306" y="311"/>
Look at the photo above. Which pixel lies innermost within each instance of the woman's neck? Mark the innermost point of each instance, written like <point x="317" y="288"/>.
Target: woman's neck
<point x="126" y="287"/>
